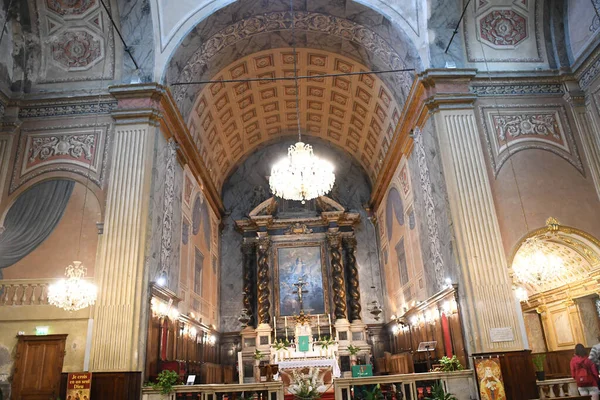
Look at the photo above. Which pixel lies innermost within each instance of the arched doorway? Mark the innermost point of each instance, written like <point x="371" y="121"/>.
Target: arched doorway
<point x="562" y="307"/>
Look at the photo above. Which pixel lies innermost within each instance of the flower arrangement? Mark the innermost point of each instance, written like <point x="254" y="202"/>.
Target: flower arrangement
<point x="326" y="342"/>
<point x="307" y="386"/>
<point x="281" y="344"/>
<point x="165" y="381"/>
<point x="353" y="350"/>
<point x="258" y="355"/>
<point x="450" y="364"/>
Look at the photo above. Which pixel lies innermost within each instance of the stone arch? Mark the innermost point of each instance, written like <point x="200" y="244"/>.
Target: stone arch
<point x="578" y="250"/>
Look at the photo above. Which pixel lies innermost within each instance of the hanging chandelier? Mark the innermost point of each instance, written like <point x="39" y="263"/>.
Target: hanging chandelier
<point x="534" y="265"/>
<point x="301" y="176"/>
<point x="73" y="293"/>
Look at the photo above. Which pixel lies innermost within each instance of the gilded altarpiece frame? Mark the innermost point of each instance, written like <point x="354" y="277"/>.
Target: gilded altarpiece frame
<point x="287" y="252"/>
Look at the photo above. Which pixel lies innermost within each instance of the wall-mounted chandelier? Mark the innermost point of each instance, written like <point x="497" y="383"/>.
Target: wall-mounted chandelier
<point x="301" y="176"/>
<point x="73" y="293"/>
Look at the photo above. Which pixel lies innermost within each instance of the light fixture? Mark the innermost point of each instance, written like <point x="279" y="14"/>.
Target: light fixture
<point x="375" y="310"/>
<point x="521" y="294"/>
<point x="301" y="176"/>
<point x="73" y="293"/>
<point x="162" y="279"/>
<point x="534" y="265"/>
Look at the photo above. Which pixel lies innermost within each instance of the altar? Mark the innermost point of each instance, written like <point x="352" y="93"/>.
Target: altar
<point x="312" y="363"/>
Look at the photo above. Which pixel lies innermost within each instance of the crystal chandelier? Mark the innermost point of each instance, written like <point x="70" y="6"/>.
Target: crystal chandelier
<point x="301" y="176"/>
<point x="534" y="265"/>
<point x="73" y="293"/>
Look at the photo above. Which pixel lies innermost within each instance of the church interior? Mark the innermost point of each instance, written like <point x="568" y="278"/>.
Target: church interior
<point x="303" y="199"/>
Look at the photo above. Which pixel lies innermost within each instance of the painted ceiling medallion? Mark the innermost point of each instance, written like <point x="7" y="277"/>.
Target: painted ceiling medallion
<point x="76" y="50"/>
<point x="503" y="28"/>
<point x="70" y="7"/>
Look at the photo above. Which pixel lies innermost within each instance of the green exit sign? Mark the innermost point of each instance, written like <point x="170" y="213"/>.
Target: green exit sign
<point x="41" y="330"/>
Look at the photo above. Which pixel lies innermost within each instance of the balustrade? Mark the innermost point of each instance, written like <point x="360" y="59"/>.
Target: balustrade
<point x="553" y="388"/>
<point x="23" y="292"/>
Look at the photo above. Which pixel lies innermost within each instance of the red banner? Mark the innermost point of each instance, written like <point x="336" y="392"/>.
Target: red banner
<point x="79" y="385"/>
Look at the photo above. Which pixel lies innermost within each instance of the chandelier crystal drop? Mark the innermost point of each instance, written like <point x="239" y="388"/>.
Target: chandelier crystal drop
<point x="73" y="293"/>
<point x="301" y="176"/>
<point x="534" y="265"/>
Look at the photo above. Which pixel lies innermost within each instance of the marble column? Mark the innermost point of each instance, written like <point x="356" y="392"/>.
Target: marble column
<point x="264" y="292"/>
<point x="488" y="298"/>
<point x="248" y="255"/>
<point x="118" y="337"/>
<point x="337" y="275"/>
<point x="352" y="276"/>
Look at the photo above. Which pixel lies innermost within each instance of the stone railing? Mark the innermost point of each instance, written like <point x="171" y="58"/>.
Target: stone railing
<point x="413" y="386"/>
<point x="552" y="388"/>
<point x="266" y="391"/>
<point x="23" y="292"/>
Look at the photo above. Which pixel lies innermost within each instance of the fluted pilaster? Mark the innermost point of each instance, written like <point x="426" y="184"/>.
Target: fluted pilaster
<point x="353" y="282"/>
<point x="264" y="304"/>
<point x="488" y="290"/>
<point x="337" y="275"/>
<point x="120" y="273"/>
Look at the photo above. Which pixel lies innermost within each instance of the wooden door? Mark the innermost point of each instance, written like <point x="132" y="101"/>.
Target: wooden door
<point x="38" y="366"/>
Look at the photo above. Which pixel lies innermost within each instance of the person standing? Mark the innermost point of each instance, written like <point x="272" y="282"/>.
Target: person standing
<point x="595" y="354"/>
<point x="585" y="373"/>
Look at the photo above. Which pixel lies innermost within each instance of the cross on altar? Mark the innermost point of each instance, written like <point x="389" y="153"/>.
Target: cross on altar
<point x="300" y="288"/>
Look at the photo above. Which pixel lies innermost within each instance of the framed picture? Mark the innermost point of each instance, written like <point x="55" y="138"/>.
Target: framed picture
<point x="300" y="261"/>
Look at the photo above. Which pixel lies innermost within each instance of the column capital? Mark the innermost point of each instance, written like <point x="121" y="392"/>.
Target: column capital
<point x="153" y="104"/>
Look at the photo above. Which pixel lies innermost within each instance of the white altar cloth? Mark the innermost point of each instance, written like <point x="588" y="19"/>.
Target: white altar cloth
<point x="311" y="363"/>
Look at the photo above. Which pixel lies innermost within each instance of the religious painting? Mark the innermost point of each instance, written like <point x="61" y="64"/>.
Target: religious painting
<point x="489" y="376"/>
<point x="300" y="279"/>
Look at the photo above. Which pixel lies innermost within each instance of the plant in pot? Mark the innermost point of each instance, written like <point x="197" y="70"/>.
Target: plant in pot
<point x="438" y="393"/>
<point x="353" y="350"/>
<point x="165" y="381"/>
<point x="448" y="364"/>
<point x="538" y="363"/>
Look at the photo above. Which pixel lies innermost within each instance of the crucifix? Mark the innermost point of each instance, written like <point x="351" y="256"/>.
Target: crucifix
<point x="300" y="287"/>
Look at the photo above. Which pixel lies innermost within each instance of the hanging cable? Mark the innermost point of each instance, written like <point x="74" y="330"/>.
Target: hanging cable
<point x="295" y="69"/>
<point x="457" y="25"/>
<point x="127" y="49"/>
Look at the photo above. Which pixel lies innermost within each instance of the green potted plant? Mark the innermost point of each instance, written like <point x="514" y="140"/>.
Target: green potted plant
<point x="165" y="381"/>
<point x="438" y="393"/>
<point x="353" y="350"/>
<point x="373" y="394"/>
<point x="448" y="364"/>
<point x="538" y="364"/>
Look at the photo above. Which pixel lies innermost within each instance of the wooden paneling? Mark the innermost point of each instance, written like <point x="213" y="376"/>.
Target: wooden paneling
<point x="518" y="373"/>
<point x="557" y="363"/>
<point x="111" y="385"/>
<point x="38" y="365"/>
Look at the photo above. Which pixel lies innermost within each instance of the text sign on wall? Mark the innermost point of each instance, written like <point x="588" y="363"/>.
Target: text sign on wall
<point x="502" y="334"/>
<point x="79" y="385"/>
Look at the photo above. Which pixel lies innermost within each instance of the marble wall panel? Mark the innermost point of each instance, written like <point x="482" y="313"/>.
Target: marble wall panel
<point x="535" y="332"/>
<point x="432" y="214"/>
<point x="136" y="26"/>
<point x="239" y="197"/>
<point x="588" y="314"/>
<point x="582" y="28"/>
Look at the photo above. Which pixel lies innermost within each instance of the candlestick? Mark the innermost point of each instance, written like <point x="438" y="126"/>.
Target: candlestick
<point x="318" y="327"/>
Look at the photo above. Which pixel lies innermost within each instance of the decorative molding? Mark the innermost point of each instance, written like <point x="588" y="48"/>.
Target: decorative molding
<point x="77" y="50"/>
<point x="71" y="7"/>
<point x="516" y="90"/>
<point x="589" y="72"/>
<point x="69" y="109"/>
<point x="298" y="229"/>
<point x="280" y="21"/>
<point x="79" y="149"/>
<point x="503" y="28"/>
<point x="404" y="181"/>
<point x="431" y="217"/>
<point x="5" y="146"/>
<point x="169" y="196"/>
<point x="512" y="128"/>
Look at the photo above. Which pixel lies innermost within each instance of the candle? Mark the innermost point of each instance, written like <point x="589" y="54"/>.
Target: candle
<point x="318" y="327"/>
<point x="275" y="325"/>
<point x="330" y="333"/>
<point x="285" y="321"/>
<point x="286" y="336"/>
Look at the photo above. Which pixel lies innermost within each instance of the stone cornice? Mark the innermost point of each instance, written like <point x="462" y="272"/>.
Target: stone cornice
<point x="432" y="90"/>
<point x="155" y="103"/>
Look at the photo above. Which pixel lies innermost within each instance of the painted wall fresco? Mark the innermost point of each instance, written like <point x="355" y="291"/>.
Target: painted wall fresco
<point x="400" y="249"/>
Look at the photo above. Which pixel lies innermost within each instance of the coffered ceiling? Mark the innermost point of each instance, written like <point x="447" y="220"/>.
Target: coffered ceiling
<point x="230" y="120"/>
